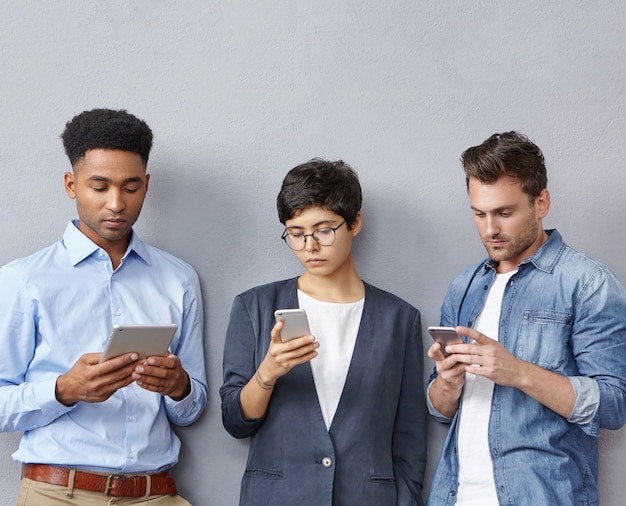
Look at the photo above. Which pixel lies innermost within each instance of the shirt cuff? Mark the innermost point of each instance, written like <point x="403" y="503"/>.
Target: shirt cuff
<point x="587" y="393"/>
<point x="181" y="405"/>
<point x="45" y="395"/>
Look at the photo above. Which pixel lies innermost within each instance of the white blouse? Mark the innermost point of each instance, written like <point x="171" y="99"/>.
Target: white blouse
<point x="335" y="326"/>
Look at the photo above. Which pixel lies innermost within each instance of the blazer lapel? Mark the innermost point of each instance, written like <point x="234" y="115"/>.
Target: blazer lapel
<point x="364" y="352"/>
<point x="303" y="374"/>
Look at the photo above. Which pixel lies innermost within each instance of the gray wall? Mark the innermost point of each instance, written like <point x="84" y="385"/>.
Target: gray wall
<point x="237" y="93"/>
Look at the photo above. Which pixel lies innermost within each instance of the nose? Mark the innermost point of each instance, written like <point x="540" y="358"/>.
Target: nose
<point x="492" y="226"/>
<point x="310" y="244"/>
<point x="115" y="202"/>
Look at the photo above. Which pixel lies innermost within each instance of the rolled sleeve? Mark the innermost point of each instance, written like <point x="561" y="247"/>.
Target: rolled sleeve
<point x="587" y="392"/>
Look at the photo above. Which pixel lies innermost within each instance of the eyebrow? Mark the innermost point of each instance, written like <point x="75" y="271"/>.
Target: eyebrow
<point x="323" y="223"/>
<point x="496" y="210"/>
<point x="134" y="179"/>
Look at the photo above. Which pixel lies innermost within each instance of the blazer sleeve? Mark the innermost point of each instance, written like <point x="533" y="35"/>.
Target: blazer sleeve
<point x="239" y="367"/>
<point x="409" y="437"/>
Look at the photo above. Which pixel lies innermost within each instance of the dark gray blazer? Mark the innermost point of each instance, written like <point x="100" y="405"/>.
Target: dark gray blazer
<point x="375" y="451"/>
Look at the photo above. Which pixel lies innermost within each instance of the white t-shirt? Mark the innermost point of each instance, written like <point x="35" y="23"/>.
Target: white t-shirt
<point x="335" y="326"/>
<point x="476" y="483"/>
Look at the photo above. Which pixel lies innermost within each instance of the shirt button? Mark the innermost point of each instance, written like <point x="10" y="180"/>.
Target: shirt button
<point x="327" y="462"/>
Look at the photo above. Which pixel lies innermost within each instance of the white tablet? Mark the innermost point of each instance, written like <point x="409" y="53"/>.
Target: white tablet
<point x="146" y="340"/>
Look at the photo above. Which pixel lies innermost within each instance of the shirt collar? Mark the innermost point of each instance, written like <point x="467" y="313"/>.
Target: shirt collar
<point x="545" y="257"/>
<point x="79" y="246"/>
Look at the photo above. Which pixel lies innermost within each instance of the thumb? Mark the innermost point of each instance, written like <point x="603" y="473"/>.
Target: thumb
<point x="276" y="330"/>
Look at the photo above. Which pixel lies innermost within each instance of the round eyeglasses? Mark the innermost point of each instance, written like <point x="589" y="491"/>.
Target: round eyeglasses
<point x="323" y="236"/>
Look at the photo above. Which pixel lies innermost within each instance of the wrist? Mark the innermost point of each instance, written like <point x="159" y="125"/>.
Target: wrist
<point x="261" y="382"/>
<point x="445" y="396"/>
<point x="61" y="394"/>
<point x="185" y="391"/>
<point x="449" y="388"/>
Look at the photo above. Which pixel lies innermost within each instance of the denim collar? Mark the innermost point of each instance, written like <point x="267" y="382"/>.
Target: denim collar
<point x="544" y="259"/>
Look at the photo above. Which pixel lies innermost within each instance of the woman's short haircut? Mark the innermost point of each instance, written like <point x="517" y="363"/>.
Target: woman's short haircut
<point x="320" y="183"/>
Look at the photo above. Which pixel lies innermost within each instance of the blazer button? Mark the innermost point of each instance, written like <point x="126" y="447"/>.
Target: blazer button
<point x="327" y="462"/>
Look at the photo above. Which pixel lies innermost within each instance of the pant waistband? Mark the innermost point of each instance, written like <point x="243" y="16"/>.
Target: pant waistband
<point x="115" y="485"/>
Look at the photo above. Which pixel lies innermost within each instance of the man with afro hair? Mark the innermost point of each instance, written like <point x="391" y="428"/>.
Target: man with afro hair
<point x="95" y="430"/>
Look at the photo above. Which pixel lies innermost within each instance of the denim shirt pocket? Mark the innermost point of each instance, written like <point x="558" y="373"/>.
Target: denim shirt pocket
<point x="543" y="338"/>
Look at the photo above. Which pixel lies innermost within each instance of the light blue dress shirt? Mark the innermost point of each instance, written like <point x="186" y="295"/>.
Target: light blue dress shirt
<point x="61" y="303"/>
<point x="566" y="313"/>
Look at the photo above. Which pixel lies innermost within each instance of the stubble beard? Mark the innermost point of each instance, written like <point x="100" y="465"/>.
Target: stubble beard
<point x="514" y="246"/>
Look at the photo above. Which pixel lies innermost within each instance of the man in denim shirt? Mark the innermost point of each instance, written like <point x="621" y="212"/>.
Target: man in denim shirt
<point x="542" y="368"/>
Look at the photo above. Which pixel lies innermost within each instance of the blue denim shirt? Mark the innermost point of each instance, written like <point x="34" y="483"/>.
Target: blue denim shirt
<point x="566" y="313"/>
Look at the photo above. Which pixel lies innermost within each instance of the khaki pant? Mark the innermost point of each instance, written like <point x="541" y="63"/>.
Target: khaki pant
<point x="36" y="493"/>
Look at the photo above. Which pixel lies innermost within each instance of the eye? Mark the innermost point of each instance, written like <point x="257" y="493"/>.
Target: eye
<point x="130" y="190"/>
<point x="323" y="232"/>
<point x="295" y="235"/>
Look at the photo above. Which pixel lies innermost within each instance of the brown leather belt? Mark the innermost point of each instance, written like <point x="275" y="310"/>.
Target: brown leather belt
<point x="125" y="485"/>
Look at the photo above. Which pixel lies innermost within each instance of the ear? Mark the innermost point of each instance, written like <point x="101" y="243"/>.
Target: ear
<point x="70" y="186"/>
<point x="542" y="203"/>
<point x="147" y="181"/>
<point x="357" y="224"/>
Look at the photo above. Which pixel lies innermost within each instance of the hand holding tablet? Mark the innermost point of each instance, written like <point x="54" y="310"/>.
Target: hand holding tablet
<point x="146" y="340"/>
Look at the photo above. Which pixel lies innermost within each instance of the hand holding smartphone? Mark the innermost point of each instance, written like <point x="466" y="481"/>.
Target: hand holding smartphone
<point x="295" y="323"/>
<point x="445" y="336"/>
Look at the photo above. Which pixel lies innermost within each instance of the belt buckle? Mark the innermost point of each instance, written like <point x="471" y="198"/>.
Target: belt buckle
<point x="108" y="486"/>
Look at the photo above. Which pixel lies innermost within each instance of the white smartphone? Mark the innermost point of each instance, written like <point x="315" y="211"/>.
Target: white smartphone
<point x="445" y="336"/>
<point x="145" y="340"/>
<point x="295" y="323"/>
